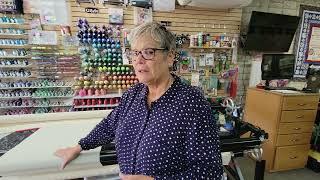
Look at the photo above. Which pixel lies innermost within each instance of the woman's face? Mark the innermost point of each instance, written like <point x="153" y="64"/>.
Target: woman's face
<point x="152" y="70"/>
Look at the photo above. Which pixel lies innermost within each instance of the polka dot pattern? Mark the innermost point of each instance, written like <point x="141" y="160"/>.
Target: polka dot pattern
<point x="176" y="138"/>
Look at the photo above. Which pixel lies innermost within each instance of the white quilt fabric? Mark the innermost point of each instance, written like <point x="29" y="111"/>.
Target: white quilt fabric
<point x="34" y="157"/>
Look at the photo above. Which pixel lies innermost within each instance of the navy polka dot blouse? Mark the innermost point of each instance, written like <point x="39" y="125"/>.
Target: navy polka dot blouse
<point x="176" y="138"/>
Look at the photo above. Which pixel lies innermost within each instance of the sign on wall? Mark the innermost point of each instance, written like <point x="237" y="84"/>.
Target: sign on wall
<point x="91" y="10"/>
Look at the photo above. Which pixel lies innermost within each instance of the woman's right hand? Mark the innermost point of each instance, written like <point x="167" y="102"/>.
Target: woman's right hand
<point x="68" y="154"/>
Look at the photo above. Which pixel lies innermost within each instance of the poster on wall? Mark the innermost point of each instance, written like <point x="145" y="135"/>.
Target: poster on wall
<point x="308" y="36"/>
<point x="164" y="5"/>
<point x="31" y="6"/>
<point x="54" y="12"/>
<point x="313" y="52"/>
<point x="115" y="15"/>
<point x="35" y="24"/>
<point x="42" y="37"/>
<point x="142" y="15"/>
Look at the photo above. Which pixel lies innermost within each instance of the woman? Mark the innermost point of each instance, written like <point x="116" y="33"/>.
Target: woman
<point x="163" y="129"/>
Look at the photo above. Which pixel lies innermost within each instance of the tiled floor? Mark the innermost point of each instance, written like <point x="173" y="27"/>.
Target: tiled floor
<point x="247" y="168"/>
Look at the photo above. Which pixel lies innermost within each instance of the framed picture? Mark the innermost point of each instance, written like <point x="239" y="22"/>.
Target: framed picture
<point x="142" y="15"/>
<point x="313" y="49"/>
<point x="307" y="49"/>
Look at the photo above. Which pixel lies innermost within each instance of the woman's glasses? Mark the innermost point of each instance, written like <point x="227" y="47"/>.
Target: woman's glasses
<point x="147" y="54"/>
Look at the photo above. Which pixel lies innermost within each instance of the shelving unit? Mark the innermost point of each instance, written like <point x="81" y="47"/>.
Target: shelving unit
<point x="15" y="33"/>
<point x="222" y="64"/>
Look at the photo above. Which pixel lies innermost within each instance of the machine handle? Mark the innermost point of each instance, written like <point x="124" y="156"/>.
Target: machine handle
<point x="302" y="104"/>
<point x="294" y="157"/>
<point x="297" y="128"/>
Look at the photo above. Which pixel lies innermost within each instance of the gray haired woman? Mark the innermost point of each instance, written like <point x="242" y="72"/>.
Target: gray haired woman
<point x="163" y="128"/>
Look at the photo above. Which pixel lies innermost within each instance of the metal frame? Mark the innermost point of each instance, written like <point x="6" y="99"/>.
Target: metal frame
<point x="248" y="147"/>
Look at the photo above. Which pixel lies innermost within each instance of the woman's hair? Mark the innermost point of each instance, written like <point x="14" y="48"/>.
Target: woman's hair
<point x="158" y="33"/>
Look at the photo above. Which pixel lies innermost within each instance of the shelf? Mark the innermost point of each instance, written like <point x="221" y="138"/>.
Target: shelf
<point x="44" y="87"/>
<point x="99" y="97"/>
<point x="14" y="57"/>
<point x="35" y="97"/>
<point x="26" y="46"/>
<point x="209" y="47"/>
<point x="14" y="25"/>
<point x="16" y="97"/>
<point x="11" y="107"/>
<point x="16" y="77"/>
<point x="190" y="73"/>
<point x="18" y="36"/>
<point x="3" y="23"/>
<point x="97" y="106"/>
<point x="16" y="66"/>
<point x="64" y="105"/>
<point x="49" y="97"/>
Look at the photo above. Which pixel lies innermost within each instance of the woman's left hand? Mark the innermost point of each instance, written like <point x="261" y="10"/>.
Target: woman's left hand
<point x="135" y="177"/>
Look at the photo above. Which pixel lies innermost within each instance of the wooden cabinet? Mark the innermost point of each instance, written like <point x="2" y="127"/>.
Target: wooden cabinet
<point x="289" y="119"/>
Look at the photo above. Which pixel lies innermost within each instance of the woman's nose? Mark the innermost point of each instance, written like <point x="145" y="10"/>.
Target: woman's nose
<point x="140" y="59"/>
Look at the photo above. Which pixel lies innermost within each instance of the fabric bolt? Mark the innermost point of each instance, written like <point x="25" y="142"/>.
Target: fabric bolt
<point x="175" y="138"/>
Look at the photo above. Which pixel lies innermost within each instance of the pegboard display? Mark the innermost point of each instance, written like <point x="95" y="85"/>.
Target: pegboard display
<point x="25" y="68"/>
<point x="218" y="29"/>
<point x="103" y="76"/>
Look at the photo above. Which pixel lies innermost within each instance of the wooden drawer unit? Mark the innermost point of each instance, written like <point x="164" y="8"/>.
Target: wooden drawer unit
<point x="298" y="116"/>
<point x="293" y="139"/>
<point x="295" y="128"/>
<point x="299" y="102"/>
<point x="288" y="117"/>
<point x="291" y="157"/>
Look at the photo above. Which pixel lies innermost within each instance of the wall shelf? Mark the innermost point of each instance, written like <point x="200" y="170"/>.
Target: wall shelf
<point x="49" y="97"/>
<point x="15" y="97"/>
<point x="17" y="77"/>
<point x="115" y="95"/>
<point x="18" y="36"/>
<point x="97" y="106"/>
<point x="16" y="66"/>
<point x="194" y="47"/>
<point x="26" y="46"/>
<point x="14" y="57"/>
<point x="14" y="25"/>
<point x="12" y="107"/>
<point x="39" y="87"/>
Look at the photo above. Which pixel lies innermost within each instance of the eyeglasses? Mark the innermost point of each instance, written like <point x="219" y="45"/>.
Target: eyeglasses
<point x="147" y="54"/>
